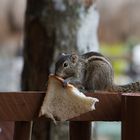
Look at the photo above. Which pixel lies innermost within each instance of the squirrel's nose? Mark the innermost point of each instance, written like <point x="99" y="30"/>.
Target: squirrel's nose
<point x="57" y="73"/>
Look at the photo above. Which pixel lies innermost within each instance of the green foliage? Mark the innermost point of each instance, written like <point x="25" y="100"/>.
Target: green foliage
<point x="117" y="53"/>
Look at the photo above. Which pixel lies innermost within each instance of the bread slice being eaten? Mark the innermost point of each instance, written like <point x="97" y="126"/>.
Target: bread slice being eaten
<point x="63" y="103"/>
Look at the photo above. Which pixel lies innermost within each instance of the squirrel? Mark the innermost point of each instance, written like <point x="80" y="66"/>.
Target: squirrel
<point x="90" y="71"/>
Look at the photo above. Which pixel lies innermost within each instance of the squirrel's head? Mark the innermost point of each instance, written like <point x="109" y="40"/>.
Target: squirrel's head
<point x="66" y="65"/>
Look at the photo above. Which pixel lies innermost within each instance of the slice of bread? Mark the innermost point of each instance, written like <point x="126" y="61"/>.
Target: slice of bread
<point x="63" y="103"/>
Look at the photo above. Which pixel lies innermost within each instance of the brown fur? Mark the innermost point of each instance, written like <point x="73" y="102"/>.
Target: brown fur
<point x="93" y="71"/>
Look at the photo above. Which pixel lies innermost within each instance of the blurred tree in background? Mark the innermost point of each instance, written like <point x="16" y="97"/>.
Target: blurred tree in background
<point x="50" y="28"/>
<point x="119" y="20"/>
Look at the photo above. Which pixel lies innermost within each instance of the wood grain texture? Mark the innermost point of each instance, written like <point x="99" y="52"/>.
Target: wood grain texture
<point x="19" y="106"/>
<point x="6" y="130"/>
<point x="22" y="106"/>
<point x="107" y="109"/>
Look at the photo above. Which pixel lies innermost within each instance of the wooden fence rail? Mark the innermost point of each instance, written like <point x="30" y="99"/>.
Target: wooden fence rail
<point x="24" y="107"/>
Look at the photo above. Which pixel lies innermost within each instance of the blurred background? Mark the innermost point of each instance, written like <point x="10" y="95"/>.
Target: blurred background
<point x="111" y="27"/>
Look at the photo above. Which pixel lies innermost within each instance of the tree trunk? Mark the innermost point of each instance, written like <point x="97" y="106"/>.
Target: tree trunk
<point x="51" y="27"/>
<point x="38" y="53"/>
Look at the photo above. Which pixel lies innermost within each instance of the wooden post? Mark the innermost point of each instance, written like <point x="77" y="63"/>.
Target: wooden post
<point x="131" y="116"/>
<point x="22" y="131"/>
<point x="80" y="130"/>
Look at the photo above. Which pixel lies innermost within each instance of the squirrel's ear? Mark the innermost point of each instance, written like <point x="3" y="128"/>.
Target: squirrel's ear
<point x="74" y="58"/>
<point x="62" y="54"/>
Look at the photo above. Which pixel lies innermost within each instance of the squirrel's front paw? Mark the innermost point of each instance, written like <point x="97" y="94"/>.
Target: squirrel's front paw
<point x="65" y="83"/>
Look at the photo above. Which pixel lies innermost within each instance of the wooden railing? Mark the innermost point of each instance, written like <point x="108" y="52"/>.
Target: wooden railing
<point x="22" y="107"/>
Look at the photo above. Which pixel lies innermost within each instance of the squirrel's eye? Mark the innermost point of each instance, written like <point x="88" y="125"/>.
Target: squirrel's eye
<point x="65" y="64"/>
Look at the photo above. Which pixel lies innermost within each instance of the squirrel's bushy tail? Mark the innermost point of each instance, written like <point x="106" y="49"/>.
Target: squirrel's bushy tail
<point x="132" y="87"/>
